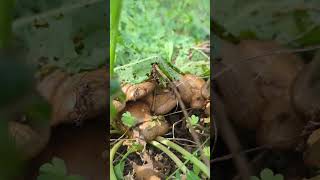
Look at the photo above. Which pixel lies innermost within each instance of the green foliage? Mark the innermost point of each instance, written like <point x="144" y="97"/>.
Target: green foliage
<point x="74" y="38"/>
<point x="192" y="176"/>
<point x="157" y="32"/>
<point x="194" y="120"/>
<point x="115" y="91"/>
<point x="196" y="170"/>
<point x="177" y="175"/>
<point x="198" y="64"/>
<point x="267" y="174"/>
<point x="119" y="168"/>
<point x="56" y="170"/>
<point x="6" y="14"/>
<point x="140" y="70"/>
<point x="116" y="6"/>
<point x="128" y="120"/>
<point x="206" y="151"/>
<point x="284" y="20"/>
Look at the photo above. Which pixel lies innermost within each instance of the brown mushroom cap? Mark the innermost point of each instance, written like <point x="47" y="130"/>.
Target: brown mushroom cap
<point x="190" y="89"/>
<point x="242" y="100"/>
<point x="306" y="96"/>
<point x="311" y="155"/>
<point x="250" y="85"/>
<point x="274" y="74"/>
<point x="29" y="140"/>
<point x="134" y="92"/>
<point x="148" y="128"/>
<point x="205" y="91"/>
<point x="118" y="105"/>
<point x="78" y="97"/>
<point x="161" y="102"/>
<point x="48" y="86"/>
<point x="145" y="172"/>
<point x="280" y="126"/>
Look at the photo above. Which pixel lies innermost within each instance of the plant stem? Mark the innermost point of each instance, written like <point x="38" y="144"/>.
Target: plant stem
<point x="115" y="131"/>
<point x="6" y="17"/>
<point x="175" y="159"/>
<point x="116" y="6"/>
<point x="112" y="153"/>
<point x="186" y="154"/>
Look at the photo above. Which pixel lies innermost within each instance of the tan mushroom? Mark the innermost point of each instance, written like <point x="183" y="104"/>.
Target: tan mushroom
<point x="137" y="91"/>
<point x="77" y="97"/>
<point x="148" y="128"/>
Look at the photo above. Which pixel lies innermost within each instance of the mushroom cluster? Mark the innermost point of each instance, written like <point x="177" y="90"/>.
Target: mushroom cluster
<point x="267" y="89"/>
<point x="148" y="102"/>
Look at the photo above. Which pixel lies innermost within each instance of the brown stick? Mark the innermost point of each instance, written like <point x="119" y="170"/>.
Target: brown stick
<point x="231" y="140"/>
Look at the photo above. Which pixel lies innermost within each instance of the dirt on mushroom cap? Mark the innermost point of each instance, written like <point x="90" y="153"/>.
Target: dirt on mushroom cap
<point x="75" y="97"/>
<point x="305" y="91"/>
<point x="147" y="128"/>
<point x="255" y="83"/>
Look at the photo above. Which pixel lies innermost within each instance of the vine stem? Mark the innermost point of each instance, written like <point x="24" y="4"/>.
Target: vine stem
<point x="116" y="6"/>
<point x="186" y="154"/>
<point x="175" y="159"/>
<point x="112" y="153"/>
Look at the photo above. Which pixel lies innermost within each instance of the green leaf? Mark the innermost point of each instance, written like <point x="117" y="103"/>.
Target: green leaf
<point x="196" y="169"/>
<point x="194" y="120"/>
<point x="267" y="174"/>
<point x="57" y="167"/>
<point x="177" y="175"/>
<point x="135" y="147"/>
<point x="62" y="41"/>
<point x="266" y="20"/>
<point x="56" y="170"/>
<point x="128" y="120"/>
<point x="254" y="178"/>
<point x="206" y="151"/>
<point x="119" y="168"/>
<point x="169" y="49"/>
<point x="278" y="177"/>
<point x="137" y="71"/>
<point x="192" y="176"/>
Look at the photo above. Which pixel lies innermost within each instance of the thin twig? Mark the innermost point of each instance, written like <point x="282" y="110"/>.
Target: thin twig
<point x="181" y="139"/>
<point x="176" y="112"/>
<point x="231" y="140"/>
<point x="253" y="161"/>
<point x="273" y="52"/>
<point x="266" y="146"/>
<point x="173" y="127"/>
<point x="230" y="156"/>
<point x="215" y="136"/>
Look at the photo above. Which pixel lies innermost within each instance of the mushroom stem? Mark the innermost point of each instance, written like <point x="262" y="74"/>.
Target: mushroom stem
<point x="186" y="154"/>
